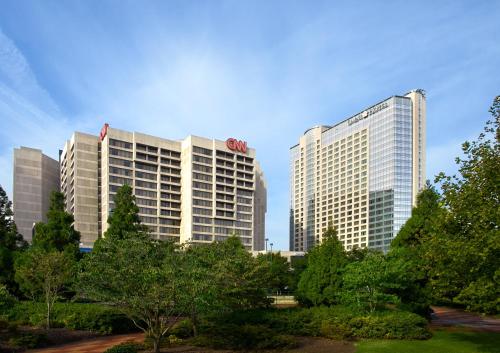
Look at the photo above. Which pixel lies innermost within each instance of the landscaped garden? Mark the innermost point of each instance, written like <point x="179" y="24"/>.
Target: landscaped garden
<point x="218" y="296"/>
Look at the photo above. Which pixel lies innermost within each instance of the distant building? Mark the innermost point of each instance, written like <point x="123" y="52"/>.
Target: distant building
<point x="36" y="176"/>
<point x="195" y="190"/>
<point x="361" y="175"/>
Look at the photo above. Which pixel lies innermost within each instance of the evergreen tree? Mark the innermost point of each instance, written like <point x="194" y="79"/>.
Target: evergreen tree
<point x="10" y="241"/>
<point x="321" y="281"/>
<point x="124" y="219"/>
<point x="58" y="233"/>
<point x="423" y="221"/>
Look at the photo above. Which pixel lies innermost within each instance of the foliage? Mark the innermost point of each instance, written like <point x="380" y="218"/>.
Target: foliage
<point x="43" y="275"/>
<point x="321" y="281"/>
<point x="367" y="282"/>
<point x="58" y="233"/>
<point x="465" y="253"/>
<point x="10" y="241"/>
<point x="126" y="347"/>
<point x="242" y="337"/>
<point x="239" y="278"/>
<point x="423" y="221"/>
<point x="197" y="282"/>
<point x="28" y="340"/>
<point x="442" y="341"/>
<point x="337" y="322"/>
<point x="139" y="275"/>
<point x="6" y="299"/>
<point x="276" y="270"/>
<point x="76" y="316"/>
<point x="124" y="220"/>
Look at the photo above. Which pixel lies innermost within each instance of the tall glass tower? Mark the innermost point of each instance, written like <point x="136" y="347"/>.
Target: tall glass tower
<point x="361" y="175"/>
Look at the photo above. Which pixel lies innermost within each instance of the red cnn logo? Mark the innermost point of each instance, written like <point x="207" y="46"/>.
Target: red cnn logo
<point x="235" y="145"/>
<point x="104" y="131"/>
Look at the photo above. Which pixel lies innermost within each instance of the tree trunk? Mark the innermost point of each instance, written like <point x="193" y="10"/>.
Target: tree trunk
<point x="194" y="322"/>
<point x="48" y="315"/>
<point x="156" y="344"/>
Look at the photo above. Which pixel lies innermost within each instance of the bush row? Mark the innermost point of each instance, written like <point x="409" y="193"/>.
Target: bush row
<point x="333" y="322"/>
<point x="77" y="316"/>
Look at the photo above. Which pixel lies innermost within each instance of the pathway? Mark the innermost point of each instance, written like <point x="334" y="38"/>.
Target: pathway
<point x="448" y="317"/>
<point x="96" y="345"/>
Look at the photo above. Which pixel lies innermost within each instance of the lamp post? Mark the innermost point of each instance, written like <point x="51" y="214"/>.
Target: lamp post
<point x="267" y="239"/>
<point x="271" y="244"/>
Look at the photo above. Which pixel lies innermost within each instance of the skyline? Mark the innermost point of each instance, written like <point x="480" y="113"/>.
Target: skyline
<point x="221" y="69"/>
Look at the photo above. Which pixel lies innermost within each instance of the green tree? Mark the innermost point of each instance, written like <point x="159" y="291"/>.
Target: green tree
<point x="277" y="271"/>
<point x="124" y="219"/>
<point x="321" y="281"/>
<point x="139" y="275"/>
<point x="423" y="221"/>
<point x="240" y="279"/>
<point x="465" y="254"/>
<point x="10" y="241"/>
<point x="197" y="283"/>
<point x="369" y="281"/>
<point x="58" y="233"/>
<point x="43" y="274"/>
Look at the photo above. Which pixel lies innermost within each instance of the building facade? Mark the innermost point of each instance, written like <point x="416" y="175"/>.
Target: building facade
<point x="196" y="190"/>
<point x="361" y="175"/>
<point x="36" y="176"/>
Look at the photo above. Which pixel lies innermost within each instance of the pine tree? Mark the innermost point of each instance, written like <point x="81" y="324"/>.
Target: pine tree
<point x="10" y="240"/>
<point x="321" y="281"/>
<point x="124" y="220"/>
<point x="58" y="233"/>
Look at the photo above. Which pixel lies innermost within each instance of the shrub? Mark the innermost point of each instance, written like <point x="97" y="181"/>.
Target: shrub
<point x="77" y="316"/>
<point x="28" y="340"/>
<point x="231" y="336"/>
<point x="126" y="347"/>
<point x="182" y="329"/>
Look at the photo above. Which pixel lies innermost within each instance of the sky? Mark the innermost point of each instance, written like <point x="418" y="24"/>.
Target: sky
<point x="260" y="71"/>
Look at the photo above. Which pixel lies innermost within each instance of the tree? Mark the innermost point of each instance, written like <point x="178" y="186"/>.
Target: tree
<point x="423" y="221"/>
<point x="197" y="283"/>
<point x="277" y="271"/>
<point x="321" y="281"/>
<point x="239" y="278"/>
<point x="58" y="233"/>
<point x="139" y="275"/>
<point x="10" y="241"/>
<point x="124" y="219"/>
<point x="465" y="254"/>
<point x="44" y="274"/>
<point x="368" y="282"/>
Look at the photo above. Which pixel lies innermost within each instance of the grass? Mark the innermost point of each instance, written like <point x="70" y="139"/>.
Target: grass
<point x="441" y="342"/>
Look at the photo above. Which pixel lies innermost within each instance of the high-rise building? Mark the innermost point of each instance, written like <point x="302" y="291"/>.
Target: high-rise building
<point x="36" y="176"/>
<point x="361" y="175"/>
<point x="195" y="190"/>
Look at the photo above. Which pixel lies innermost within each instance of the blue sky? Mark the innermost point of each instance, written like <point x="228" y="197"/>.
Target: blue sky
<point x="262" y="71"/>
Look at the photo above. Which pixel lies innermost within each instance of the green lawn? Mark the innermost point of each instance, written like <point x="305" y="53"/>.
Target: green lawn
<point x="441" y="342"/>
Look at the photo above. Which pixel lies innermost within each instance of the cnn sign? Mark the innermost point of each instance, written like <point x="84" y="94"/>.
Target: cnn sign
<point x="236" y="145"/>
<point x="104" y="132"/>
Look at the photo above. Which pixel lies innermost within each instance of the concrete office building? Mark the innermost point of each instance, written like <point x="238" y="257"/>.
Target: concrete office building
<point x="36" y="176"/>
<point x="361" y="175"/>
<point x="196" y="190"/>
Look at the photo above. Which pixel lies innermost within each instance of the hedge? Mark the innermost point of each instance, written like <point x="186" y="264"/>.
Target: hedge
<point x="77" y="316"/>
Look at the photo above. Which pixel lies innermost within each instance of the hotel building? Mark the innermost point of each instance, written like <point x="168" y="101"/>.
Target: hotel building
<point x="361" y="175"/>
<point x="36" y="176"/>
<point x="196" y="190"/>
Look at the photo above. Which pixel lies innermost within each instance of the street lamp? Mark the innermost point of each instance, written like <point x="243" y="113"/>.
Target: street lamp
<point x="271" y="244"/>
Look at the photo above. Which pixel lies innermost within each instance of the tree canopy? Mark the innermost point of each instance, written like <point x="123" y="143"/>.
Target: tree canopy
<point x="124" y="220"/>
<point x="58" y="233"/>
<point x="321" y="281"/>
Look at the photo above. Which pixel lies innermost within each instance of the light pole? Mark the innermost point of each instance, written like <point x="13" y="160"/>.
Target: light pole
<point x="271" y="244"/>
<point x="267" y="239"/>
